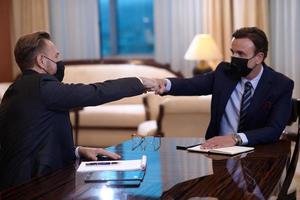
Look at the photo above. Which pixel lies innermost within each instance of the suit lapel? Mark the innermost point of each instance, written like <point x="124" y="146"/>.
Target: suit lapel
<point x="261" y="92"/>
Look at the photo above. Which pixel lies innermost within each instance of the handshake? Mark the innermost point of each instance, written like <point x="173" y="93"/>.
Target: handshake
<point x="154" y="85"/>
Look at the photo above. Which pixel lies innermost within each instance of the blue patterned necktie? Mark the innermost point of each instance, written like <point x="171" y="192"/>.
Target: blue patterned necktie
<point x="246" y="100"/>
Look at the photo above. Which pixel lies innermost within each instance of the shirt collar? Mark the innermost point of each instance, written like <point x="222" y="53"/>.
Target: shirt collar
<point x="254" y="81"/>
<point x="29" y="71"/>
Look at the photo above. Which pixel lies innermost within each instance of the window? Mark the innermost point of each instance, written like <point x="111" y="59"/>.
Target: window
<point x="126" y="27"/>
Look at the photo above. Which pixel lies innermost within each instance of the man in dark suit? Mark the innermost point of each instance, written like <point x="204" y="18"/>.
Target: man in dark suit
<point x="35" y="129"/>
<point x="251" y="103"/>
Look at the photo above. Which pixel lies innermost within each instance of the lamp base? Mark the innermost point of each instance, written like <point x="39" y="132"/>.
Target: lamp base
<point x="197" y="71"/>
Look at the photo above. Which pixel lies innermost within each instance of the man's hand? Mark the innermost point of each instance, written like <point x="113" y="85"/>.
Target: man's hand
<point x="161" y="86"/>
<point x="91" y="153"/>
<point x="219" y="142"/>
<point x="156" y="85"/>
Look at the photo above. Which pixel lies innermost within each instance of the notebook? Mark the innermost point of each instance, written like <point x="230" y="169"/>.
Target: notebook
<point x="225" y="150"/>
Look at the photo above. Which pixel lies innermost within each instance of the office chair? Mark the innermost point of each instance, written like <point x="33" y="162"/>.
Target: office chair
<point x="284" y="193"/>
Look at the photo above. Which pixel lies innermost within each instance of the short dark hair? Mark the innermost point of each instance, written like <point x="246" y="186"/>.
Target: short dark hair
<point x="27" y="47"/>
<point x="256" y="35"/>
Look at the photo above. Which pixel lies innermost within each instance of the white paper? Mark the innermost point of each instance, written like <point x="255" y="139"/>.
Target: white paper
<point x="121" y="165"/>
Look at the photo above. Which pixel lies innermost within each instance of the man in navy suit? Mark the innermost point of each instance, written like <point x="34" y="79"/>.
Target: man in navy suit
<point x="35" y="128"/>
<point x="251" y="103"/>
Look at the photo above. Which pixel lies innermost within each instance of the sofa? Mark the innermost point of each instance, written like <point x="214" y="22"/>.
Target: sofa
<point x="113" y="122"/>
<point x="3" y="88"/>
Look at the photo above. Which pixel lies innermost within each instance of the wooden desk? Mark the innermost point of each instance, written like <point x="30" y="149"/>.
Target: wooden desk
<point x="172" y="174"/>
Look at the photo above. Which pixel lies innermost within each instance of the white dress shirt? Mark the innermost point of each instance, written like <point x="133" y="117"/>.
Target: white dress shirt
<point x="231" y="116"/>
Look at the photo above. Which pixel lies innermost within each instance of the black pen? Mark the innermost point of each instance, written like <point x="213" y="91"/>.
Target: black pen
<point x="186" y="147"/>
<point x="102" y="163"/>
<point x="194" y="145"/>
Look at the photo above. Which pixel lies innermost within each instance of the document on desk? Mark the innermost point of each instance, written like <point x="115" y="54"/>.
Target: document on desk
<point x="114" y="165"/>
<point x="225" y="150"/>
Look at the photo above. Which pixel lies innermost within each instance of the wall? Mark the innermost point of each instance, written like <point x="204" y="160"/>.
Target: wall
<point x="5" y="49"/>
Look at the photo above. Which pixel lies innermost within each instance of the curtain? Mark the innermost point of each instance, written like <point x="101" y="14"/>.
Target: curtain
<point x="285" y="40"/>
<point x="75" y="28"/>
<point x="28" y="16"/>
<point x="225" y="16"/>
<point x="176" y="22"/>
<point x="219" y="23"/>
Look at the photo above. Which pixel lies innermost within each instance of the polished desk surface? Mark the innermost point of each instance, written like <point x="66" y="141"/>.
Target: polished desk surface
<point x="173" y="174"/>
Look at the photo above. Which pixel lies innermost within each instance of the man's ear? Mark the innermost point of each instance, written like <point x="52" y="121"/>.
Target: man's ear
<point x="40" y="61"/>
<point x="260" y="57"/>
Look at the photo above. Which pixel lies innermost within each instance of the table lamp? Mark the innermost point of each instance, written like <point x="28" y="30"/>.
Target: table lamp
<point x="203" y="49"/>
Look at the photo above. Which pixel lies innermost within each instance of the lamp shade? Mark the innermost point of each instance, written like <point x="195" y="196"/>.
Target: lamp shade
<point x="203" y="47"/>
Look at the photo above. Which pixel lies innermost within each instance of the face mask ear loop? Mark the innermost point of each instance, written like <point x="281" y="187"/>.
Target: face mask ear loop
<point x="43" y="68"/>
<point x="252" y="58"/>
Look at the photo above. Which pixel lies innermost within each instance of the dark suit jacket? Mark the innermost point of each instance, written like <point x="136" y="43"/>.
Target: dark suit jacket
<point x="35" y="129"/>
<point x="270" y="106"/>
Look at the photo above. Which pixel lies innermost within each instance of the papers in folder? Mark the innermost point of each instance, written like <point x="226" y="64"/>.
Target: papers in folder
<point x="115" y="165"/>
<point x="225" y="150"/>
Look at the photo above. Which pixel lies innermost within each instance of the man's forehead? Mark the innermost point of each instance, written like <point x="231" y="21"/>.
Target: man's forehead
<point x="50" y="47"/>
<point x="49" y="44"/>
<point x="242" y="43"/>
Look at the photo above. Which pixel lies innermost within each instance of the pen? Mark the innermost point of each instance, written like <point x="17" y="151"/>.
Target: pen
<point x="194" y="145"/>
<point x="102" y="163"/>
<point x="186" y="147"/>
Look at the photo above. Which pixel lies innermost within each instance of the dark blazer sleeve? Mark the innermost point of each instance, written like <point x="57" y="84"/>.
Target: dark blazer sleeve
<point x="280" y="109"/>
<point x="60" y="96"/>
<point x="197" y="85"/>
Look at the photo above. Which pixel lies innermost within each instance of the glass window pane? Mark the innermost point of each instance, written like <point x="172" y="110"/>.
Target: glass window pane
<point x="104" y="27"/>
<point x="135" y="26"/>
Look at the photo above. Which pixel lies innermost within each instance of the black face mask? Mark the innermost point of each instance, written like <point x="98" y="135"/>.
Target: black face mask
<point x="60" y="72"/>
<point x="240" y="66"/>
<point x="60" y="69"/>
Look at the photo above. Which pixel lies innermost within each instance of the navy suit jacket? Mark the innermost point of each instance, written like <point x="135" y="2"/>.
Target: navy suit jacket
<point x="270" y="106"/>
<point x="35" y="129"/>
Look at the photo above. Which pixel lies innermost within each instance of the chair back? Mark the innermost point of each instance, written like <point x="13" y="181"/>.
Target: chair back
<point x="283" y="194"/>
<point x="184" y="116"/>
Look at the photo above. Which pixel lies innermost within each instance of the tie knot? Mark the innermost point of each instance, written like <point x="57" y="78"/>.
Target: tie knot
<point x="248" y="85"/>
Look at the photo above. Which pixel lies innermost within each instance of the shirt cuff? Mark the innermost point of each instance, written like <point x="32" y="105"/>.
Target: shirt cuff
<point x="168" y="85"/>
<point x="140" y="79"/>
<point x="243" y="138"/>
<point x="77" y="152"/>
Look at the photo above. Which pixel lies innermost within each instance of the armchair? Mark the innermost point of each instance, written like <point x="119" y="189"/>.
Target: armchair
<point x="176" y="116"/>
